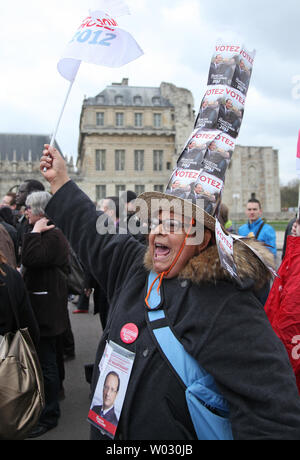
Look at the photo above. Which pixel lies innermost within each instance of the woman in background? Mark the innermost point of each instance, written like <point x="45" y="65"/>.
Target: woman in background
<point x="45" y="257"/>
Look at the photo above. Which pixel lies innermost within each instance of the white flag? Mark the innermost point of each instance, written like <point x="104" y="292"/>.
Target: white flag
<point x="99" y="40"/>
<point x="112" y="7"/>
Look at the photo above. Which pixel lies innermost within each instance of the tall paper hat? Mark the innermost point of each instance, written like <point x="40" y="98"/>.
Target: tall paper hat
<point x="201" y="168"/>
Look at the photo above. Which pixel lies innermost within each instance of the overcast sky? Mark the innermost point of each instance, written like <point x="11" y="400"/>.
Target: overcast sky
<point x="178" y="39"/>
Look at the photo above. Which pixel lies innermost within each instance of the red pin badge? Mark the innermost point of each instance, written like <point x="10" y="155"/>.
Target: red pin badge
<point x="129" y="333"/>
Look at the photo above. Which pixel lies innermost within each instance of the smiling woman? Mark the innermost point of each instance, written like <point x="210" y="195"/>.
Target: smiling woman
<point x="167" y="244"/>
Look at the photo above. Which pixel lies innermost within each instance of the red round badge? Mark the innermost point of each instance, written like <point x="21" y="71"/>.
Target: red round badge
<point x="129" y="333"/>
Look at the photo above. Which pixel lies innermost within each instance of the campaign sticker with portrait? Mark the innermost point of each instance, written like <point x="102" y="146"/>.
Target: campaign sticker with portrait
<point x="182" y="182"/>
<point x="243" y="71"/>
<point x="115" y="369"/>
<point x="207" y="188"/>
<point x="207" y="117"/>
<point x="193" y="154"/>
<point x="243" y="240"/>
<point x="223" y="64"/>
<point x="218" y="155"/>
<point x="225" y="249"/>
<point x="231" y="111"/>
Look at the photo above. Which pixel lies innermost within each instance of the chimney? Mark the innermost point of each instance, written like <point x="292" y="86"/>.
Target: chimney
<point x="124" y="82"/>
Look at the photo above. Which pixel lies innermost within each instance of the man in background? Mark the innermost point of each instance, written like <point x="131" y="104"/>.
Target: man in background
<point x="257" y="228"/>
<point x="9" y="200"/>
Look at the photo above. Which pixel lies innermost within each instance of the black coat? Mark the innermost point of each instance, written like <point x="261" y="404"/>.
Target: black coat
<point x="14" y="283"/>
<point x="220" y="325"/>
<point x="45" y="258"/>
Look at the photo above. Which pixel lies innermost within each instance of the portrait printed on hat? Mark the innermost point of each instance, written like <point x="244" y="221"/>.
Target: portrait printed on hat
<point x="223" y="65"/>
<point x="231" y="111"/>
<point x="243" y="71"/>
<point x="208" y="188"/>
<point x="182" y="182"/>
<point x="209" y="110"/>
<point x="195" y="186"/>
<point x="200" y="173"/>
<point x="194" y="152"/>
<point x="222" y="108"/>
<point x="225" y="250"/>
<point x="218" y="155"/>
<point x="231" y="65"/>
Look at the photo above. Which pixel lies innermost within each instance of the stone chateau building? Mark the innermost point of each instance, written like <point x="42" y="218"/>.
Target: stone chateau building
<point x="20" y="160"/>
<point x="130" y="138"/>
<point x="253" y="172"/>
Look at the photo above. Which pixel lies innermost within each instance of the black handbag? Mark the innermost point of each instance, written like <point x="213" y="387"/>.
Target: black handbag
<point x="75" y="277"/>
<point x="21" y="382"/>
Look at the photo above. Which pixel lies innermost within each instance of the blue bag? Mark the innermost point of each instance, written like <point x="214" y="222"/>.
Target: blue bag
<point x="208" y="409"/>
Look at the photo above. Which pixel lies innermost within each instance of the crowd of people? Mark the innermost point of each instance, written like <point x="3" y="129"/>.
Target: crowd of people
<point x="238" y="333"/>
<point x="39" y="262"/>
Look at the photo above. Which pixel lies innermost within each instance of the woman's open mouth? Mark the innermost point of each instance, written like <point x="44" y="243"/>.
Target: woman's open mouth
<point x="161" y="251"/>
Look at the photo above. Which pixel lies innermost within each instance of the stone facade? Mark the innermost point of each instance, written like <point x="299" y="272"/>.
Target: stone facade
<point x="130" y="137"/>
<point x="254" y="171"/>
<point x="20" y="160"/>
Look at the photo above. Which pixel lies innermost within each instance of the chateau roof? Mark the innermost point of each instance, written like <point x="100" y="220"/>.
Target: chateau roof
<point x="120" y="94"/>
<point x="17" y="147"/>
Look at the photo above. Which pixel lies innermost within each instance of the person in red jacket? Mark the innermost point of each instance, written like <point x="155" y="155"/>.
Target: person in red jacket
<point x="283" y="304"/>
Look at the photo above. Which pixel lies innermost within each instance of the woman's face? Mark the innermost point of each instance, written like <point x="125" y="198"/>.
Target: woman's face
<point x="32" y="219"/>
<point x="165" y="241"/>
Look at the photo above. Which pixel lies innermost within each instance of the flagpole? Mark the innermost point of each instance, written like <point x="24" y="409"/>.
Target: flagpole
<point x="61" y="113"/>
<point x="60" y="116"/>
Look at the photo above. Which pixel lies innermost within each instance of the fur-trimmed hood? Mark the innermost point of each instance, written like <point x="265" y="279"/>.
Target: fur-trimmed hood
<point x="206" y="267"/>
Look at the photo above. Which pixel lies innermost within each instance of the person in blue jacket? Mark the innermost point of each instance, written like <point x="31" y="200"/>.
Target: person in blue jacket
<point x="258" y="229"/>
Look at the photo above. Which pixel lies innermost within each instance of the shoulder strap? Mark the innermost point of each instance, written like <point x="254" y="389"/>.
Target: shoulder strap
<point x="259" y="230"/>
<point x="207" y="407"/>
<point x="185" y="367"/>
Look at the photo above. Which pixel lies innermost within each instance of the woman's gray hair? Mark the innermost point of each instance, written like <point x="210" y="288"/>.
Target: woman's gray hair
<point x="38" y="202"/>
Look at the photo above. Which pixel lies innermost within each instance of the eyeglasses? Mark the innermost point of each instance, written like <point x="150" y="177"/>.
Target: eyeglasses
<point x="27" y="208"/>
<point x="168" y="225"/>
<point x="109" y="389"/>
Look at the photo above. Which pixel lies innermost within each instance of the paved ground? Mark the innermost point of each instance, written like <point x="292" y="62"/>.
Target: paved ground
<point x="74" y="408"/>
